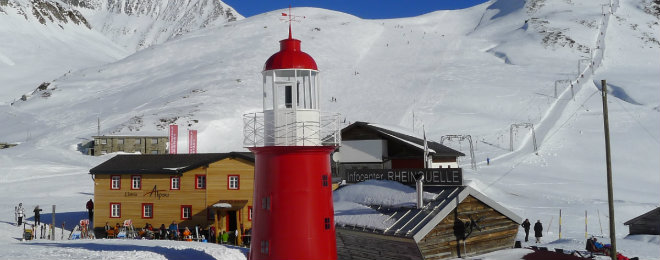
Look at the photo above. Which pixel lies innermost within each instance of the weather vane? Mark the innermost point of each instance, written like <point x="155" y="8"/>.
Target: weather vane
<point x="291" y="18"/>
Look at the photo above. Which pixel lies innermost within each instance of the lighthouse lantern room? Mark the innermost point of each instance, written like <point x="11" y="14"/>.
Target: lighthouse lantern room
<point x="292" y="140"/>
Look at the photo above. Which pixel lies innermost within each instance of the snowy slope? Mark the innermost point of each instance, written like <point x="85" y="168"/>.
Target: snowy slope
<point x="475" y="71"/>
<point x="43" y="40"/>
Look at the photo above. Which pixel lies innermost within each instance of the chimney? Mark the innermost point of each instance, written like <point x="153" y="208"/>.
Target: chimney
<point x="419" y="178"/>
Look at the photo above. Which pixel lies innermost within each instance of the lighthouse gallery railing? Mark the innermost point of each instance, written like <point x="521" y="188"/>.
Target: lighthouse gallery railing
<point x="258" y="132"/>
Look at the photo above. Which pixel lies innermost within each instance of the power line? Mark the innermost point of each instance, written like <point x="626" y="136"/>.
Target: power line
<point x="639" y="123"/>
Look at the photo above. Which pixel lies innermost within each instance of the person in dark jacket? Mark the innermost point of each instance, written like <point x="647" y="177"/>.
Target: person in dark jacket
<point x="37" y="216"/>
<point x="526" y="225"/>
<point x="538" y="231"/>
<point x="163" y="231"/>
<point x="90" y="209"/>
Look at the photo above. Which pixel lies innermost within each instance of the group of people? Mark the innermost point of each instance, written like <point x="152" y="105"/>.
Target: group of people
<point x="538" y="230"/>
<point x="19" y="212"/>
<point x="172" y="232"/>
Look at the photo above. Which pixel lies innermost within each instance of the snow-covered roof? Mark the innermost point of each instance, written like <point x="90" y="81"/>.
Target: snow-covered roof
<point x="403" y="136"/>
<point x="388" y="207"/>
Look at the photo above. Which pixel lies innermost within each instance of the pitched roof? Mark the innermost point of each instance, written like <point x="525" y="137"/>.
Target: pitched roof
<point x="652" y="215"/>
<point x="163" y="163"/>
<point x="417" y="223"/>
<point x="391" y="134"/>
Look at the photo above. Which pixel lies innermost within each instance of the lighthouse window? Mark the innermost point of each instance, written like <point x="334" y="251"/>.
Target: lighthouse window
<point x="265" y="203"/>
<point x="264" y="246"/>
<point x="298" y="94"/>
<point x="326" y="222"/>
<point x="324" y="179"/>
<point x="288" y="96"/>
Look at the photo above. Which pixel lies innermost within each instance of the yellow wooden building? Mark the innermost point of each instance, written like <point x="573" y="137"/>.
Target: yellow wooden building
<point x="189" y="189"/>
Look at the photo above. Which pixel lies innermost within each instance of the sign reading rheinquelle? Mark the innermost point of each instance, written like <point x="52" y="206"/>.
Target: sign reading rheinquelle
<point x="432" y="177"/>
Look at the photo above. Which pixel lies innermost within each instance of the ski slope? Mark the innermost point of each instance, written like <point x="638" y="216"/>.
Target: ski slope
<point x="474" y="71"/>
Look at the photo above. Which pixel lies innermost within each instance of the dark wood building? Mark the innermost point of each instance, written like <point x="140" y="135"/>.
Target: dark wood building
<point x="458" y="222"/>
<point x="373" y="146"/>
<point x="646" y="224"/>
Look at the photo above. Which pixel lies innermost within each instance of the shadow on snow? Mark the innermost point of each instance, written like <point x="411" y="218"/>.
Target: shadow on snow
<point x="168" y="253"/>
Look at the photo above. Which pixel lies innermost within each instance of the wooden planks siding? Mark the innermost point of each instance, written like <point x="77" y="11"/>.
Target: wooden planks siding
<point x="497" y="232"/>
<point x="217" y="186"/>
<point x="167" y="207"/>
<point x="359" y="245"/>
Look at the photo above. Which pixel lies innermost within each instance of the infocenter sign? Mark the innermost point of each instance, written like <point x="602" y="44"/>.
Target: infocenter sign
<point x="432" y="177"/>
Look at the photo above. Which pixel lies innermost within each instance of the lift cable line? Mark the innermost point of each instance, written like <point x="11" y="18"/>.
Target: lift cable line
<point x="525" y="125"/>
<point x="473" y="162"/>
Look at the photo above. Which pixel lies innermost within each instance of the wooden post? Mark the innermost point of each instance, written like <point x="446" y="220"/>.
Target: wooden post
<point x="559" y="223"/>
<point x="608" y="161"/>
<point x="52" y="230"/>
<point x="599" y="223"/>
<point x="585" y="225"/>
<point x="217" y="226"/>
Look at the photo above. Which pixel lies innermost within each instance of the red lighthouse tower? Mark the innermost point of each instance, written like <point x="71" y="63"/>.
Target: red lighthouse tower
<point x="293" y="216"/>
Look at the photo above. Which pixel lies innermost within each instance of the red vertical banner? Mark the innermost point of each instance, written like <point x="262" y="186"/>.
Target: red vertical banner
<point x="174" y="138"/>
<point x="192" y="141"/>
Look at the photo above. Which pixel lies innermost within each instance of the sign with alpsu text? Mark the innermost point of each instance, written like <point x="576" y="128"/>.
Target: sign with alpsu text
<point x="432" y="176"/>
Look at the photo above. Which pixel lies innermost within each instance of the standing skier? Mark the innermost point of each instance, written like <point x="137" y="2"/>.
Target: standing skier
<point x="37" y="217"/>
<point x="90" y="209"/>
<point x="538" y="231"/>
<point x="526" y="226"/>
<point x="20" y="213"/>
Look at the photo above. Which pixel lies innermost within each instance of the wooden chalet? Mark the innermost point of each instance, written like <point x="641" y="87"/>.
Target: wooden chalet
<point x="436" y="231"/>
<point x="189" y="189"/>
<point x="645" y="224"/>
<point x="373" y="146"/>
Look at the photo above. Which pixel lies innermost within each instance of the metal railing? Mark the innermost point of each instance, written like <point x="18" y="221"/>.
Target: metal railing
<point x="259" y="132"/>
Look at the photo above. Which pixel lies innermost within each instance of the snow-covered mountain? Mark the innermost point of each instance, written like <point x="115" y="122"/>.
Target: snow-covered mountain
<point x="479" y="71"/>
<point x="49" y="38"/>
<point x="138" y="24"/>
<point x="42" y="40"/>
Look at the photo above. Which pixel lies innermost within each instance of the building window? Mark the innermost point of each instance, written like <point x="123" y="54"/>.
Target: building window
<point x="265" y="203"/>
<point x="115" y="210"/>
<point x="186" y="212"/>
<point x="175" y="183"/>
<point x="324" y="180"/>
<point x="154" y="140"/>
<point x="326" y="222"/>
<point x="200" y="181"/>
<point x="120" y="141"/>
<point x="115" y="182"/>
<point x="249" y="213"/>
<point x="137" y="141"/>
<point x="265" y="245"/>
<point x="103" y="141"/>
<point x="147" y="210"/>
<point x="233" y="182"/>
<point x="136" y="182"/>
<point x="154" y="152"/>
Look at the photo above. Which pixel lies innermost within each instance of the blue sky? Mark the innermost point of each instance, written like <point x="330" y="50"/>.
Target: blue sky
<point x="367" y="9"/>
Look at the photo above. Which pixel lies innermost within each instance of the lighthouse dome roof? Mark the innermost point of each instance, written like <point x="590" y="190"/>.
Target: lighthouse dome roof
<point x="290" y="57"/>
